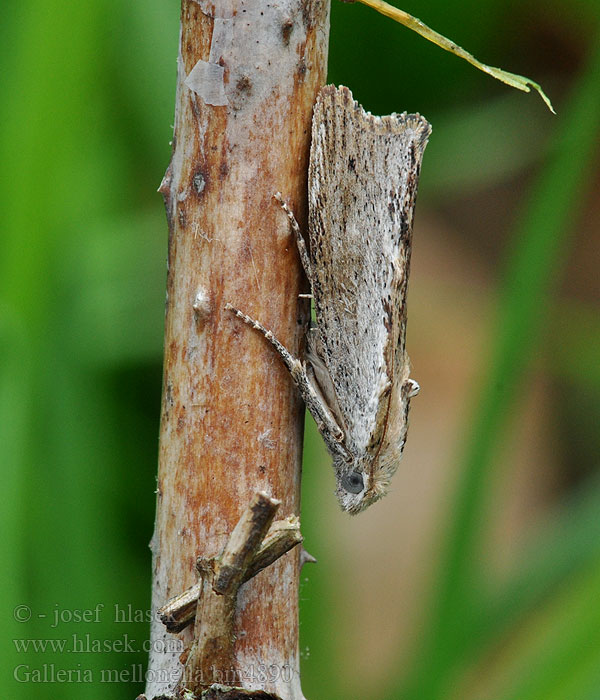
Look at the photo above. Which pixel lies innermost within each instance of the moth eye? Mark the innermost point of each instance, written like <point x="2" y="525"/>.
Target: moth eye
<point x="353" y="482"/>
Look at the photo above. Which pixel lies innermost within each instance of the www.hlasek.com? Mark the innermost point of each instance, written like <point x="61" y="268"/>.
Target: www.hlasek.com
<point x="87" y="644"/>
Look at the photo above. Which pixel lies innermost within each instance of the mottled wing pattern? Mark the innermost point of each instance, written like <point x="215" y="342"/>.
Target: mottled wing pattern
<point x="363" y="173"/>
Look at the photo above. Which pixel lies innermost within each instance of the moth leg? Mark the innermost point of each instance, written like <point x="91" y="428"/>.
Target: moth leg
<point x="328" y="427"/>
<point x="299" y="237"/>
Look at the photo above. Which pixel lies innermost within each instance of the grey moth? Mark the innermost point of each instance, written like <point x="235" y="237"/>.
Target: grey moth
<point x="362" y="187"/>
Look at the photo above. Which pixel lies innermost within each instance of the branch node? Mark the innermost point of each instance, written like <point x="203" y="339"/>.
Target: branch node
<point x="255" y="543"/>
<point x="306" y="558"/>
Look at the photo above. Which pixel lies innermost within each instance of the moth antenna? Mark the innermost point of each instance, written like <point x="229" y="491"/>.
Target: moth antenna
<point x="319" y="410"/>
<point x="299" y="237"/>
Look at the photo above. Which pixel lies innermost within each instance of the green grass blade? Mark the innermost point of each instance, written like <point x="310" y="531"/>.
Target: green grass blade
<point x="561" y="653"/>
<point x="520" y="82"/>
<point x="567" y="548"/>
<point x="15" y="362"/>
<point x="533" y="269"/>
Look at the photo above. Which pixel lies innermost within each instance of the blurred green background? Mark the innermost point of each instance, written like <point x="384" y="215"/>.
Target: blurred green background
<point x="479" y="575"/>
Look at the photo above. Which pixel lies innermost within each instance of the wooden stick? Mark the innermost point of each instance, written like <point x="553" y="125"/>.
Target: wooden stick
<point x="231" y="424"/>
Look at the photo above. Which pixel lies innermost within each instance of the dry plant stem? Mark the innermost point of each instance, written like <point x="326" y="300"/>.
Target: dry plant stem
<point x="282" y="536"/>
<point x="180" y="611"/>
<point x="212" y="650"/>
<point x="231" y="424"/>
<point x="243" y="543"/>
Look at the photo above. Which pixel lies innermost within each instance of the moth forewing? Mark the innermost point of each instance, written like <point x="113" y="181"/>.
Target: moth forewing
<point x="363" y="179"/>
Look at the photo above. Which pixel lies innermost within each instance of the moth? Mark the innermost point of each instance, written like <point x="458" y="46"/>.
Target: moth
<point x="362" y="187"/>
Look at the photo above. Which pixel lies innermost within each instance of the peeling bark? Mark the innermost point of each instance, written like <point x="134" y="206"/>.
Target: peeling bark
<point x="231" y="423"/>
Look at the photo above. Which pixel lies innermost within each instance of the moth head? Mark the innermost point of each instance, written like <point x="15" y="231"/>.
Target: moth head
<point x="363" y="476"/>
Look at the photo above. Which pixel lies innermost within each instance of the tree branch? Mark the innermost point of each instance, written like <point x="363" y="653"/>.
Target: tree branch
<point x="231" y="422"/>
